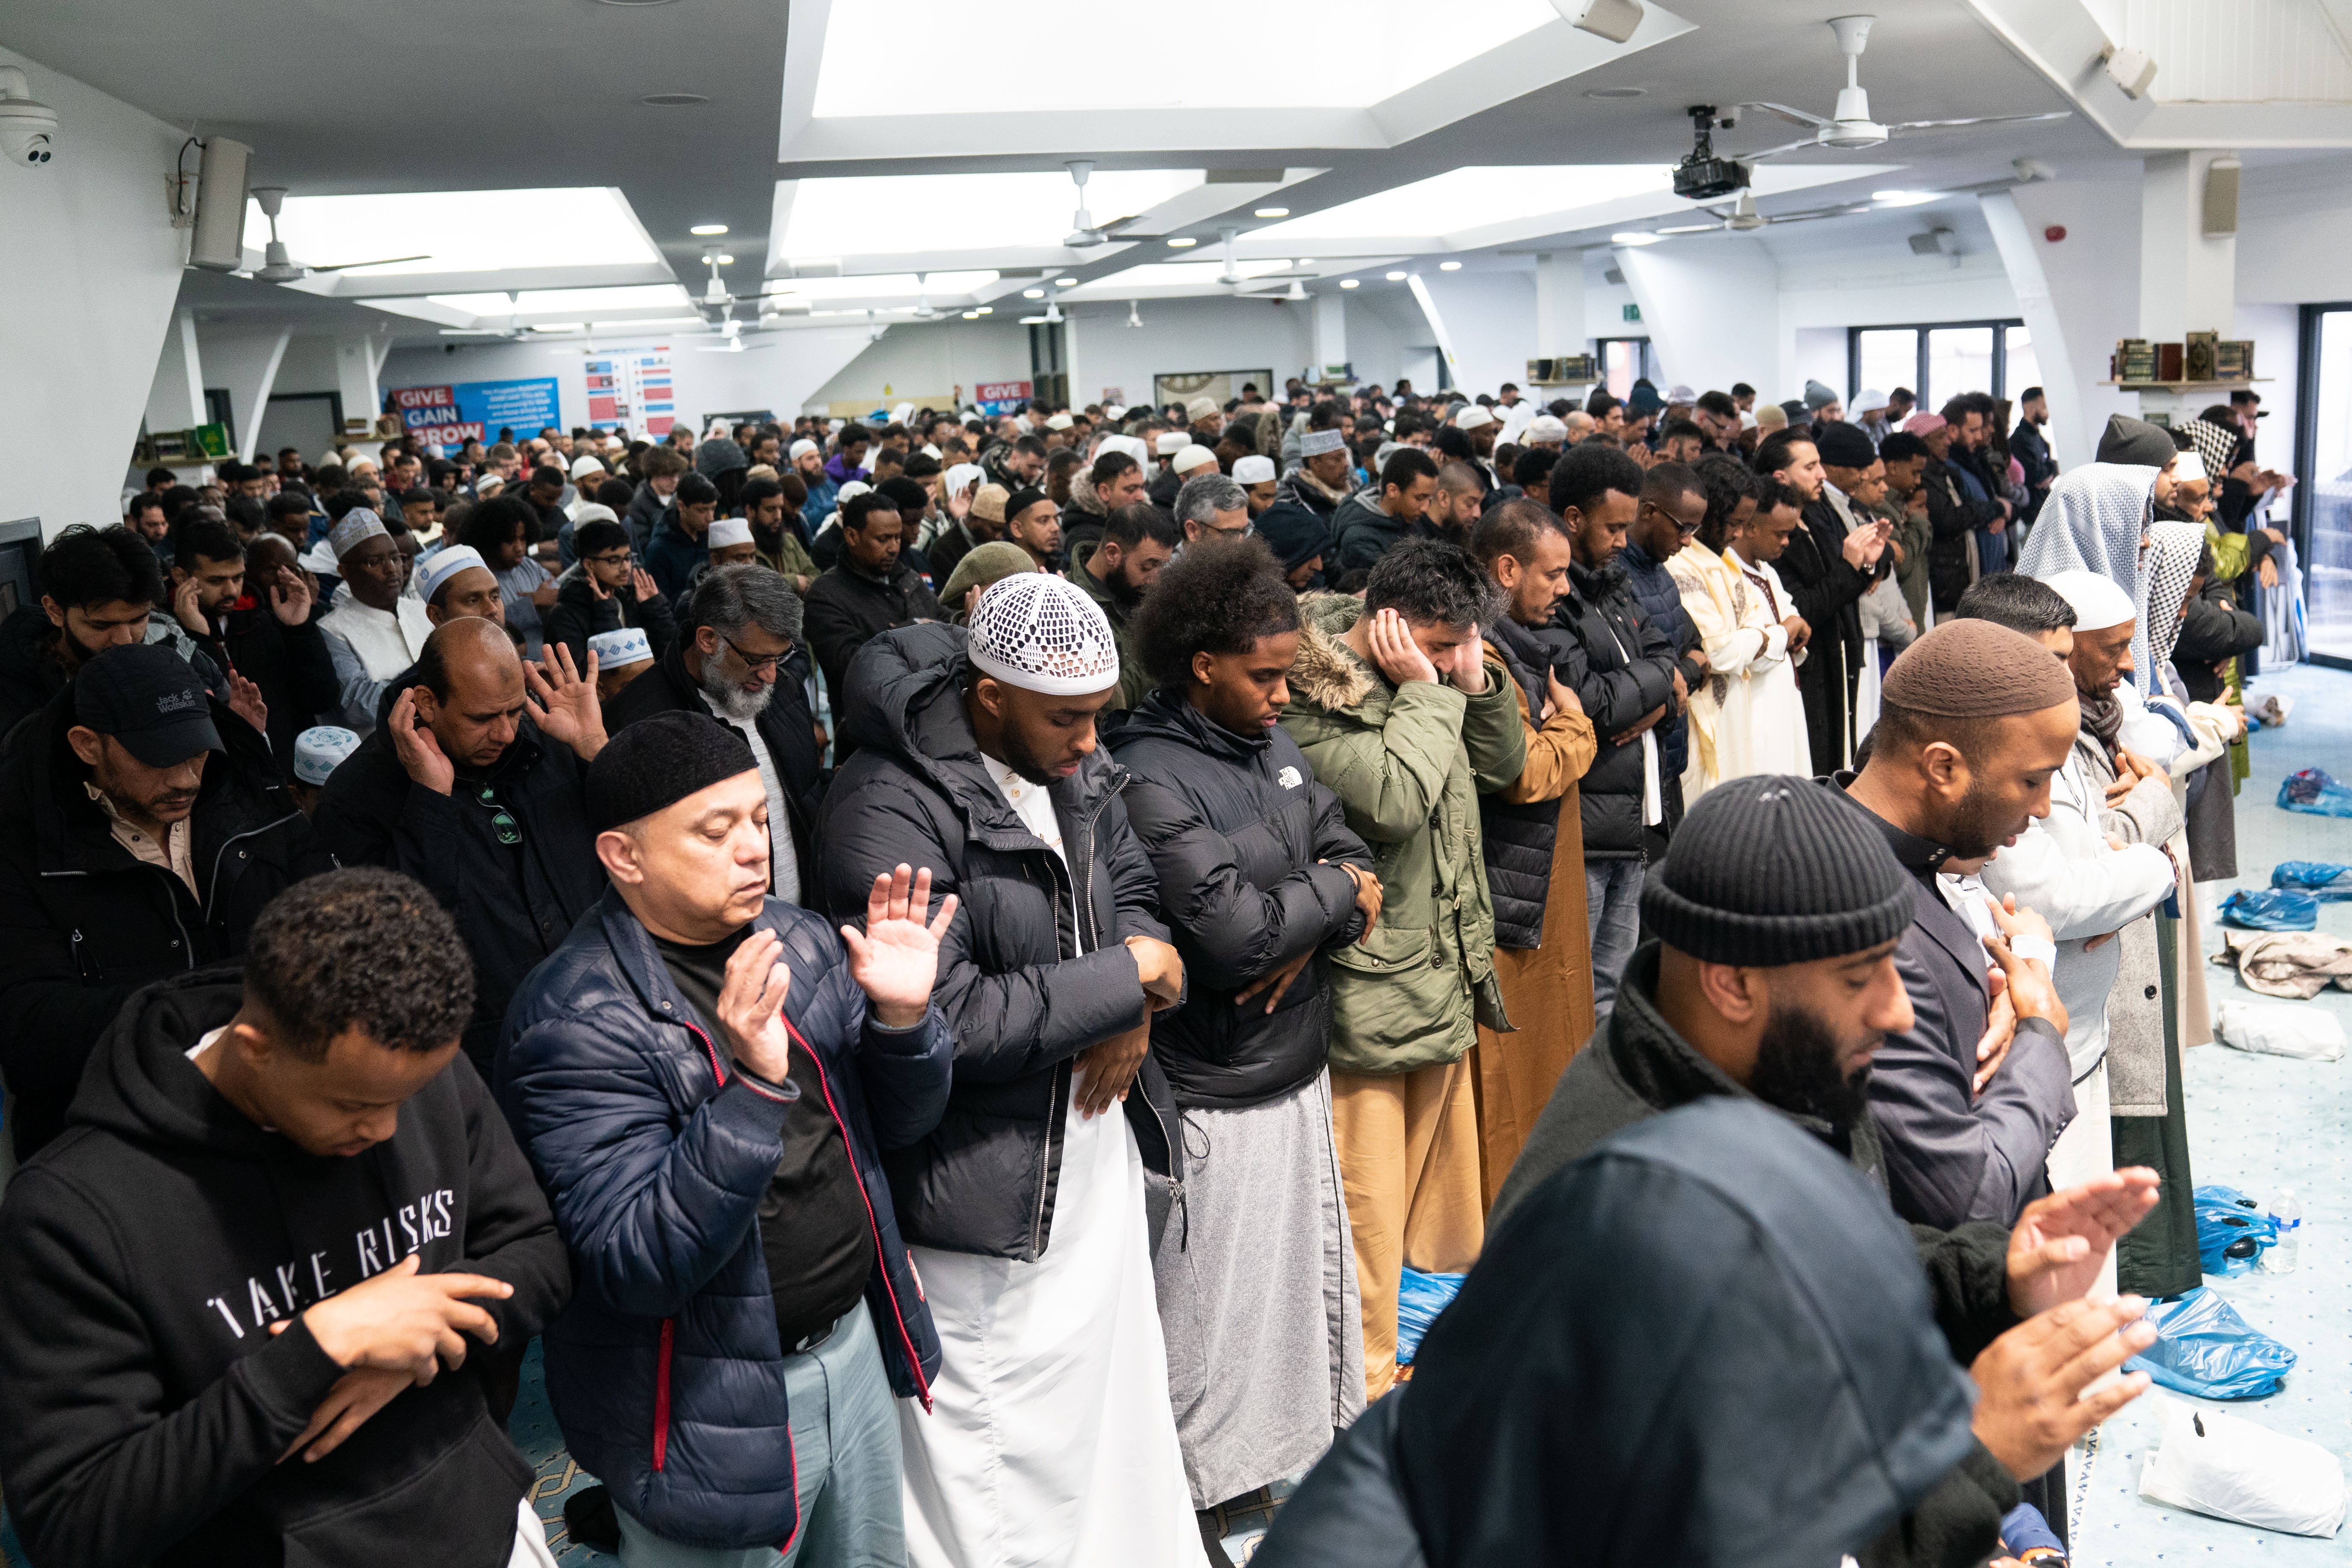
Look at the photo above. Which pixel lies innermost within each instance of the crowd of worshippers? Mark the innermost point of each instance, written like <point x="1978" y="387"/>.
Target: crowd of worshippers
<point x="982" y="950"/>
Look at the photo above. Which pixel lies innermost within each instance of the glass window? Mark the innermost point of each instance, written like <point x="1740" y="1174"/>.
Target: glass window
<point x="1888" y="358"/>
<point x="1960" y="359"/>
<point x="1624" y="360"/>
<point x="2020" y="368"/>
<point x="2328" y="567"/>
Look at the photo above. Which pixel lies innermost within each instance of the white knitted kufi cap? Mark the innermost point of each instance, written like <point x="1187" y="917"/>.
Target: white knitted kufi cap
<point x="1314" y="443"/>
<point x="1252" y="469"/>
<point x="359" y="525"/>
<point x="1193" y="457"/>
<point x="620" y="649"/>
<point x="1043" y="634"/>
<point x="802" y="448"/>
<point x="727" y="531"/>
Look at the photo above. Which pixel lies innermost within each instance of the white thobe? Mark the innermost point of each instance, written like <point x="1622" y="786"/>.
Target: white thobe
<point x="1051" y="1442"/>
<point x="1761" y="727"/>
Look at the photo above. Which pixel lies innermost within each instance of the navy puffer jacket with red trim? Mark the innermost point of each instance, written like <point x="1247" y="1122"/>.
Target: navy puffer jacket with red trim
<point x="666" y="1372"/>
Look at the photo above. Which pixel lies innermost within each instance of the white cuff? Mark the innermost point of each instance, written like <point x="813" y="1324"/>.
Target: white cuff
<point x="2038" y="950"/>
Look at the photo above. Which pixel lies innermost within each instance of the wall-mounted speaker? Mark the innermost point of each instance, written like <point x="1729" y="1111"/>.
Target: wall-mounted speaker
<point x="2222" y="197"/>
<point x="219" y="245"/>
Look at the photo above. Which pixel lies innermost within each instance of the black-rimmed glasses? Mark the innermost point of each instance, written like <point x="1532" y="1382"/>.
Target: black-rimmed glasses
<point x="757" y="663"/>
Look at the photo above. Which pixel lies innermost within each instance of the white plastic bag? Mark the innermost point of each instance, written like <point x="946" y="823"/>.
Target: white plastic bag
<point x="2280" y="1029"/>
<point x="2229" y="1467"/>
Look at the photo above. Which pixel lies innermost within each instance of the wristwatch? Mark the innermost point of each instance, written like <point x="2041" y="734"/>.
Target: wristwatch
<point x="2049" y="1556"/>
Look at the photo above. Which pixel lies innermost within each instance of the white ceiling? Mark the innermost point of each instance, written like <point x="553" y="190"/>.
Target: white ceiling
<point x="924" y="138"/>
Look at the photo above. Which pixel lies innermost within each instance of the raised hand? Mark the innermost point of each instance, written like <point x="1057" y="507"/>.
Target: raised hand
<point x="245" y="701"/>
<point x="290" y="596"/>
<point x="751" y="1008"/>
<point x="185" y="611"/>
<point x="419" y="752"/>
<point x="2061" y="1242"/>
<point x="642" y="586"/>
<point x="2031" y="1381"/>
<point x="895" y="959"/>
<point x="566" y="710"/>
<point x="1395" y="653"/>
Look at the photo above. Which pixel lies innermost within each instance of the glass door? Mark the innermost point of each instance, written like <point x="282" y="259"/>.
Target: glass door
<point x="2322" y="497"/>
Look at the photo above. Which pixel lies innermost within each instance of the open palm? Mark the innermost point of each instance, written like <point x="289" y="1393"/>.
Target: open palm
<point x="897" y="957"/>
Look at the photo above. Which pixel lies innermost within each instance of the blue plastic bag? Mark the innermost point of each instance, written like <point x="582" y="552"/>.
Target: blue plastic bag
<point x="2203" y="1348"/>
<point x="1420" y="1298"/>
<point x="2232" y="1230"/>
<point x="2329" y="884"/>
<point x="2276" y="910"/>
<point x="2312" y="791"/>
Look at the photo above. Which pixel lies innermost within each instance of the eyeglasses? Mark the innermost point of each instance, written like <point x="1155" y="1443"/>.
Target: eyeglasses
<point x="757" y="663"/>
<point x="501" y="821"/>
<point x="623" y="559"/>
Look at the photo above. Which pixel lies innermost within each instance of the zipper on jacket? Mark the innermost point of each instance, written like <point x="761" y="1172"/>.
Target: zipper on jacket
<point x="661" y="1391"/>
<point x="914" y="1362"/>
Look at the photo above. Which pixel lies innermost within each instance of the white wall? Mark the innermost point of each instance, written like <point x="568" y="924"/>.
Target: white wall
<point x="782" y="377"/>
<point x="1180" y="335"/>
<point x="2276" y="330"/>
<point x="1713" y="310"/>
<point x="1491" y="318"/>
<point x="90" y="267"/>
<point x="925" y="362"/>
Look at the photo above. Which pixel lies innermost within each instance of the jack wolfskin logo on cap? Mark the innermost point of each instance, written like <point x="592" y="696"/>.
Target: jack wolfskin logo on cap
<point x="178" y="702"/>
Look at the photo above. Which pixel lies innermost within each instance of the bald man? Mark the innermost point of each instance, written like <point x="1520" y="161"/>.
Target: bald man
<point x="473" y="785"/>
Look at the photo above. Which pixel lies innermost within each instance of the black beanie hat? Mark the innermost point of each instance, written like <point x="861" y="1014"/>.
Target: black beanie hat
<point x="658" y="761"/>
<point x="1771" y="869"/>
<point x="1843" y="445"/>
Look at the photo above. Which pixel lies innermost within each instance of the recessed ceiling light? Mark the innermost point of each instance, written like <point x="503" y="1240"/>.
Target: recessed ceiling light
<point x="1902" y="198"/>
<point x="708" y="228"/>
<point x="1305" y="262"/>
<point x="1396" y="277"/>
<point x="1065" y="282"/>
<point x="1634" y="237"/>
<point x="1183" y="242"/>
<point x="1033" y="293"/>
<point x="672" y="99"/>
<point x="1449" y="266"/>
<point x="985" y="311"/>
<point x="1271" y="212"/>
<point x="724" y="260"/>
<point x="1616" y="92"/>
<point x="1352" y="283"/>
<point x="971" y="315"/>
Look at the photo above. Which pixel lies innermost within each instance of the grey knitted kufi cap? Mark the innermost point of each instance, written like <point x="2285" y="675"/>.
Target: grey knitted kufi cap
<point x="1774" y="869"/>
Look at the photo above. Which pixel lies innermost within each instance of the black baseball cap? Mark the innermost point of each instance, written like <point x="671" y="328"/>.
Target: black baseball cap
<point x="147" y="697"/>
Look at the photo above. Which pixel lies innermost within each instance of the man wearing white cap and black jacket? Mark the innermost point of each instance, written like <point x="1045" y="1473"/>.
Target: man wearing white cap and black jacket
<point x="1320" y="481"/>
<point x="1035" y="1207"/>
<point x="1255" y="475"/>
<point x="606" y="591"/>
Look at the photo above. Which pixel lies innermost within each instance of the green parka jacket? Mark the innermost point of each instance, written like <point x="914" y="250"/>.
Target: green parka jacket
<point x="1408" y="763"/>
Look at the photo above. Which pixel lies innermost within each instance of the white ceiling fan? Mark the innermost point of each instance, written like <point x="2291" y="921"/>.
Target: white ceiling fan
<point x="1850" y="125"/>
<point x="277" y="266"/>
<point x="732" y="331"/>
<point x="1742" y="217"/>
<point x="1085" y="232"/>
<point x="924" y="310"/>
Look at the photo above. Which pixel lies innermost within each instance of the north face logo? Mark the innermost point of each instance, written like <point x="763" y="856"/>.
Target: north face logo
<point x="1289" y="778"/>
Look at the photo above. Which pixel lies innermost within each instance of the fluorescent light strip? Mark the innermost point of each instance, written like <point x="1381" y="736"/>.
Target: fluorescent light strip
<point x="464" y="231"/>
<point x="865" y="214"/>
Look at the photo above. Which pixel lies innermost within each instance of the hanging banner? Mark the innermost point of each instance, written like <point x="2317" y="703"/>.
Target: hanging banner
<point x="452" y="415"/>
<point x="646" y="378"/>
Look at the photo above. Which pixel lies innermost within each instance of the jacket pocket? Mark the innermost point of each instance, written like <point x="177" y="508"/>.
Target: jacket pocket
<point x="1392" y="1008"/>
<point x="661" y="1391"/>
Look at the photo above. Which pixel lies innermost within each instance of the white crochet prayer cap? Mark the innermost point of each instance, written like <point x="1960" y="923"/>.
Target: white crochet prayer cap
<point x="1314" y="443"/>
<point x="1252" y="469"/>
<point x="318" y="752"/>
<point x="1170" y="442"/>
<point x="802" y="448"/>
<point x="1043" y="634"/>
<point x="359" y="525"/>
<point x="442" y="565"/>
<point x="729" y="530"/>
<point x="2099" y="604"/>
<point x="621" y="649"/>
<point x="1191" y="458"/>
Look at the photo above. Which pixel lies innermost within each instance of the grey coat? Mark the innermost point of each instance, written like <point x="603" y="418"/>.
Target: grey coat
<point x="2135" y="1076"/>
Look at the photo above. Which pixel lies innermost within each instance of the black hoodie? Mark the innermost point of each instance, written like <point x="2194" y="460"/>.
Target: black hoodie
<point x="1704" y="1344"/>
<point x="143" y="1258"/>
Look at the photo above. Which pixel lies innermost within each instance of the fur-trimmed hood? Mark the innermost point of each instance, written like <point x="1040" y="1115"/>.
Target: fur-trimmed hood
<point x="1327" y="672"/>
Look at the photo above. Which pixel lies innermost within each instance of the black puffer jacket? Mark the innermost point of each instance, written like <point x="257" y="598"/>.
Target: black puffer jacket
<point x="1518" y="838"/>
<point x="1247" y="847"/>
<point x="1013" y="984"/>
<point x="846" y="606"/>
<point x="84" y="922"/>
<point x="514" y="904"/>
<point x="1624" y="667"/>
<point x="1954" y="518"/>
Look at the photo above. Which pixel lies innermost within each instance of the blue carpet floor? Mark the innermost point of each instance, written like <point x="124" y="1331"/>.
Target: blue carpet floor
<point x="2257" y="1122"/>
<point x="2254" y="1123"/>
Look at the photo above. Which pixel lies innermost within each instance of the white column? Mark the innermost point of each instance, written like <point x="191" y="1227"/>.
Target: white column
<point x="356" y="363"/>
<point x="1559" y="304"/>
<point x="1713" y="310"/>
<point x="1330" y="329"/>
<point x="2073" y="438"/>
<point x="2187" y="283"/>
<point x="192" y="360"/>
<point x="260" y="405"/>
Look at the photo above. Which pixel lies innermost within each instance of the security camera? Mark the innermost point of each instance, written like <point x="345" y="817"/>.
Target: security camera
<point x="29" y="131"/>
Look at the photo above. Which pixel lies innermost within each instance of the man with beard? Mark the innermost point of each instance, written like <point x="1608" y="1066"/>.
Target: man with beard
<point x="1778" y="973"/>
<point x="1114" y="571"/>
<point x="869" y="590"/>
<point x="100" y="588"/>
<point x="1975" y="721"/>
<point x="738" y="657"/>
<point x="1829" y="569"/>
<point x="472" y="784"/>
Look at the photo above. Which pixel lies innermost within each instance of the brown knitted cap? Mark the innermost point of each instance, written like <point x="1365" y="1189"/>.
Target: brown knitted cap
<point x="1975" y="669"/>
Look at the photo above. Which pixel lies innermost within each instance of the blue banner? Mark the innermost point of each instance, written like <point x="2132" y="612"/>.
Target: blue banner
<point x="452" y="415"/>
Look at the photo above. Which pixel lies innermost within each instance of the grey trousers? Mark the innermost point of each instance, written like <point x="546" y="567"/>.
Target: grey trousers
<point x="845" y="1457"/>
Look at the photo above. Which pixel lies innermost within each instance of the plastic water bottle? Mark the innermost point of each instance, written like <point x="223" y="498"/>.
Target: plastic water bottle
<point x="2287" y="1216"/>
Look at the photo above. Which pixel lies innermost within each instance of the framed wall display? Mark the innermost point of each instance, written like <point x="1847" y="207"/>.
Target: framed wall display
<point x="1221" y="385"/>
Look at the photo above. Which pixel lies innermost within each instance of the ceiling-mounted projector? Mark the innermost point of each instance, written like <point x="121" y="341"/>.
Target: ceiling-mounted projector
<point x="1703" y="176"/>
